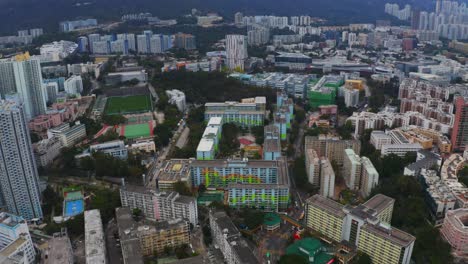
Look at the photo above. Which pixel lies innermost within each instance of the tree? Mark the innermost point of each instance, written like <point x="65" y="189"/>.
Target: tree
<point x="259" y="134"/>
<point x="182" y="188"/>
<point x="113" y="120"/>
<point x="362" y="258"/>
<point x="162" y="135"/>
<point x="299" y="115"/>
<point x="290" y="259"/>
<point x="136" y="212"/>
<point x="34" y="137"/>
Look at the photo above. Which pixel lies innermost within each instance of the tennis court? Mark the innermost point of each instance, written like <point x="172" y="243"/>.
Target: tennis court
<point x="73" y="208"/>
<point x="137" y="130"/>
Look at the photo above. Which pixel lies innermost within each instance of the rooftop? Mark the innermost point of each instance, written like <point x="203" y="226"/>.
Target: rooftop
<point x="173" y="170"/>
<point x="379" y="203"/>
<point x="94" y="237"/>
<point x="389" y="233"/>
<point x="328" y="205"/>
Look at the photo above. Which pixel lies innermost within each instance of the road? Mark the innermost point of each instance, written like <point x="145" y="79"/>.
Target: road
<point x="114" y="253"/>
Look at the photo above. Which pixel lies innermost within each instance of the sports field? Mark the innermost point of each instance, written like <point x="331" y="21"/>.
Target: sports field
<point x="137" y="130"/>
<point x="128" y="105"/>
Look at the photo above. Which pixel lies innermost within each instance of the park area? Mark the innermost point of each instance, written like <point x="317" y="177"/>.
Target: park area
<point x="128" y="104"/>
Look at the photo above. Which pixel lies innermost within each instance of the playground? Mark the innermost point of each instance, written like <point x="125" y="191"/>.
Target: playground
<point x="73" y="203"/>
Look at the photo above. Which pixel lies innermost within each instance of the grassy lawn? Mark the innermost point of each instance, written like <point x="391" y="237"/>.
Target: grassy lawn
<point x="128" y="104"/>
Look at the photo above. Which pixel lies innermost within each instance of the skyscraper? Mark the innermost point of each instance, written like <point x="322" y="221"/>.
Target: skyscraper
<point x="18" y="172"/>
<point x="460" y="126"/>
<point x="23" y="76"/>
<point x="236" y="51"/>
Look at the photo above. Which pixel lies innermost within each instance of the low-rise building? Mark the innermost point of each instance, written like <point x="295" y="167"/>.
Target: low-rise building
<point x="169" y="173"/>
<point x="69" y="136"/>
<point x="114" y="148"/>
<point x="400" y="149"/>
<point x="455" y="231"/>
<point x="380" y="138"/>
<point x="144" y="145"/>
<point x="46" y="150"/>
<point x="425" y="159"/>
<point x="59" y="249"/>
<point x="229" y="240"/>
<point x="95" y="242"/>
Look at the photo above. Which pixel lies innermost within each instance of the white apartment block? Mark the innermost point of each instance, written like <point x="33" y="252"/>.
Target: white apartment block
<point x="95" y="242"/>
<point x="327" y="179"/>
<point x="159" y="205"/>
<point x="68" y="136"/>
<point x="46" y="150"/>
<point x="74" y="85"/>
<point x="352" y="169"/>
<point x="236" y="51"/>
<point x="400" y="149"/>
<point x="379" y="138"/>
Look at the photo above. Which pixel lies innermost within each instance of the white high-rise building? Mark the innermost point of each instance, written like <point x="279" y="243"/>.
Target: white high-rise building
<point x="236" y="51"/>
<point x="23" y="76"/>
<point x="423" y="20"/>
<point x="327" y="179"/>
<point x="19" y="179"/>
<point x="142" y="44"/>
<point x="74" y="85"/>
<point x="91" y="39"/>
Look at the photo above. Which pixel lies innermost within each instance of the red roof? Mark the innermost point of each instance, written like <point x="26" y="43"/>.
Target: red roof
<point x="245" y="142"/>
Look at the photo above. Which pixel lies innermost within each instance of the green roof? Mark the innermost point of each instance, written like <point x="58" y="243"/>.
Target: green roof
<point x="314" y="249"/>
<point x="211" y="197"/>
<point x="271" y="219"/>
<point x="71" y="196"/>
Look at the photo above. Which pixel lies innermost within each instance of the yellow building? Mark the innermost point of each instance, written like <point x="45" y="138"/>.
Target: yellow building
<point x="354" y="84"/>
<point x="155" y="237"/>
<point x="442" y="141"/>
<point x="366" y="226"/>
<point x="145" y="238"/>
<point x="385" y="244"/>
<point x="325" y="216"/>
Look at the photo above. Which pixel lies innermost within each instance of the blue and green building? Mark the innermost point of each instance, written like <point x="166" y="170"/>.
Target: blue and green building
<point x="209" y="143"/>
<point x="247" y="113"/>
<point x="262" y="184"/>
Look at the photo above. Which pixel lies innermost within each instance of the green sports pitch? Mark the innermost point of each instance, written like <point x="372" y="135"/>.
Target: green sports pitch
<point x="128" y="105"/>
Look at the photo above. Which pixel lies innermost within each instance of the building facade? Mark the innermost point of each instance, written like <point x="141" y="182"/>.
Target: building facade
<point x="159" y="205"/>
<point x="236" y="51"/>
<point x="364" y="226"/>
<point x="23" y="76"/>
<point x="19" y="179"/>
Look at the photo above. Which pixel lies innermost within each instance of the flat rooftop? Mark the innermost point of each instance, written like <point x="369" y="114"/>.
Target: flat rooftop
<point x="327" y="205"/>
<point x="173" y="170"/>
<point x="392" y="234"/>
<point x="379" y="203"/>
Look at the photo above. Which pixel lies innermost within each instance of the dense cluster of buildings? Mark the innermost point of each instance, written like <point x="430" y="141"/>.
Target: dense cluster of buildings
<point x="125" y="43"/>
